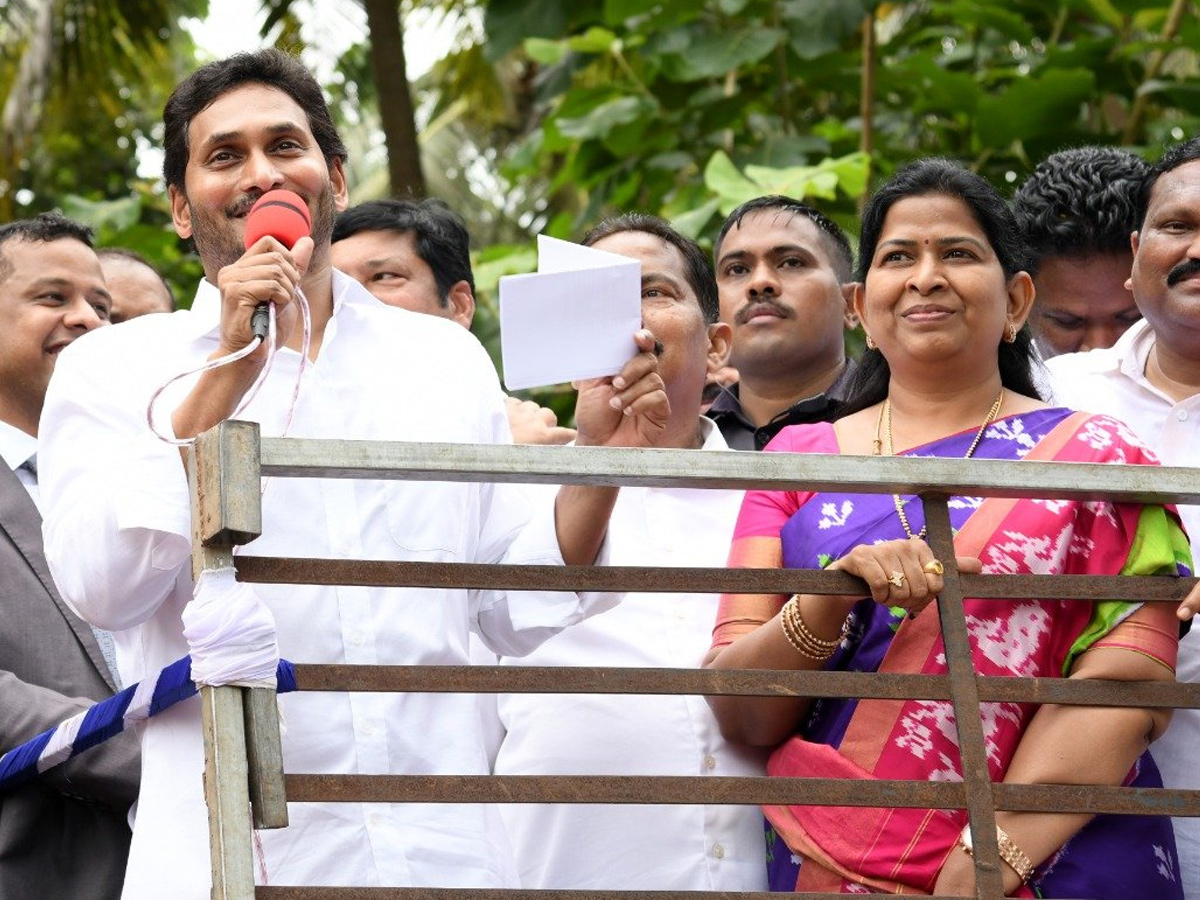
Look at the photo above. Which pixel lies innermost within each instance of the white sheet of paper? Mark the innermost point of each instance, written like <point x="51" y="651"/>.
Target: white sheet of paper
<point x="572" y="319"/>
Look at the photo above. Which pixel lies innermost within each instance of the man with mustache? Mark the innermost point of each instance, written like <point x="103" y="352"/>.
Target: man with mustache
<point x="707" y="847"/>
<point x="64" y="834"/>
<point x="1150" y="379"/>
<point x="783" y="270"/>
<point x="118" y="521"/>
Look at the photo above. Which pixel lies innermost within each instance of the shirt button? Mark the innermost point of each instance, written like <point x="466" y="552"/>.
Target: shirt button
<point x="356" y="638"/>
<point x="710" y="762"/>
<point x="718" y="851"/>
<point x="1181" y="415"/>
<point x="376" y="819"/>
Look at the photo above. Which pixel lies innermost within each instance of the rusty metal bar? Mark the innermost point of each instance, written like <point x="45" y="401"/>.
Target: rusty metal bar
<point x="681" y="789"/>
<point x="309" y="458"/>
<point x="964" y="693"/>
<point x="741" y="682"/>
<point x="383" y="893"/>
<point x="651" y="579"/>
<point x="754" y="791"/>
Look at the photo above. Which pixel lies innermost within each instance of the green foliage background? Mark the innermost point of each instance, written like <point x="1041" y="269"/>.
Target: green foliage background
<point x="546" y="115"/>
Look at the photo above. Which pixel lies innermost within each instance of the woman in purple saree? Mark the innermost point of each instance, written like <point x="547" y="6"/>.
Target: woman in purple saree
<point x="943" y="299"/>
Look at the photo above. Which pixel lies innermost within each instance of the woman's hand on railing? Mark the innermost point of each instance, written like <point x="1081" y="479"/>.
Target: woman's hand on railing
<point x="901" y="573"/>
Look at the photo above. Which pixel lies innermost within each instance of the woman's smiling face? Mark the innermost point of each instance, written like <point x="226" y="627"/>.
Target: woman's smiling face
<point x="935" y="291"/>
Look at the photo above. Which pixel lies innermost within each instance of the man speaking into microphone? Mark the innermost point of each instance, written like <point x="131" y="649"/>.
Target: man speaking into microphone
<point x="118" y="521"/>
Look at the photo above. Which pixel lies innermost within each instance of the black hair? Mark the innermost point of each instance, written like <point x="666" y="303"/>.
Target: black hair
<point x="441" y="237"/>
<point x="1080" y="202"/>
<point x="269" y="67"/>
<point x="937" y="176"/>
<point x="43" y="228"/>
<point x="698" y="269"/>
<point x="134" y="256"/>
<point x="836" y="241"/>
<point x="1180" y="154"/>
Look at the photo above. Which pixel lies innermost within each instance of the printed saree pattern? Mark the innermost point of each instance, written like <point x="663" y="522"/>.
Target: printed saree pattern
<point x="902" y="850"/>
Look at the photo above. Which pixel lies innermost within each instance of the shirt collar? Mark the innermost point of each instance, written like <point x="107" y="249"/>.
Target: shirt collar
<point x="711" y="435"/>
<point x="1132" y="350"/>
<point x="15" y="445"/>
<point x="728" y="401"/>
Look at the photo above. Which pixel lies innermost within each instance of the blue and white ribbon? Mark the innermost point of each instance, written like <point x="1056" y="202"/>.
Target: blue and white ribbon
<point x="136" y="703"/>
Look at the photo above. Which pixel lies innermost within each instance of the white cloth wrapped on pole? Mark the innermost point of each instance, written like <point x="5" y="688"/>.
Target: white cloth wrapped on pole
<point x="230" y="633"/>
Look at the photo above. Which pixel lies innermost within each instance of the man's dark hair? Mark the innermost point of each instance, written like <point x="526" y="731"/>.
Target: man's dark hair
<point x="50" y="226"/>
<point x="698" y="270"/>
<point x="1180" y="154"/>
<point x="440" y="236"/>
<point x="134" y="256"/>
<point x="933" y="177"/>
<point x="836" y="242"/>
<point x="269" y="67"/>
<point x="1080" y="202"/>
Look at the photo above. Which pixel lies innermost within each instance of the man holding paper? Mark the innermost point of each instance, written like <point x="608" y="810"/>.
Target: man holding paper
<point x="118" y="522"/>
<point x="612" y="847"/>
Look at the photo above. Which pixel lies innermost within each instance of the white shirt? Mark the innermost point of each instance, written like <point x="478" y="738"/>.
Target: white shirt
<point x="118" y="540"/>
<point x="1113" y="381"/>
<point x="610" y="847"/>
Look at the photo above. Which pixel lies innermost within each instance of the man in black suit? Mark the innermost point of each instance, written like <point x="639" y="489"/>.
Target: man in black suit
<point x="66" y="834"/>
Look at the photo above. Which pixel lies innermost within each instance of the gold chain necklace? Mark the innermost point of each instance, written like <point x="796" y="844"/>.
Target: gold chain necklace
<point x="885" y="425"/>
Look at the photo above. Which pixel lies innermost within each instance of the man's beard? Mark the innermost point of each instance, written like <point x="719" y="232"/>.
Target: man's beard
<point x="219" y="244"/>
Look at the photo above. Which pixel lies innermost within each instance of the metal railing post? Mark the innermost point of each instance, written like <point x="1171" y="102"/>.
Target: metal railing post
<point x="243" y="758"/>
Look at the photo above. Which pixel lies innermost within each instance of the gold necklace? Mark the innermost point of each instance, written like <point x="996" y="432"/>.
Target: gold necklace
<point x="885" y="425"/>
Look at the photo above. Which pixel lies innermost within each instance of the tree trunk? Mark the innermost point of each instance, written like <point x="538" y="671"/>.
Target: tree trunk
<point x="395" y="100"/>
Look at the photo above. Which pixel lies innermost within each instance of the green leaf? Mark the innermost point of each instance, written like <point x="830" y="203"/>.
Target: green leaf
<point x="731" y="186"/>
<point x="715" y="54"/>
<point x="594" y="40"/>
<point x="544" y="51"/>
<point x="502" y="260"/>
<point x="822" y="180"/>
<point x="979" y="14"/>
<point x="111" y="215"/>
<point x="818" y="27"/>
<point x="1032" y="107"/>
<point x="508" y="23"/>
<point x="605" y="117"/>
<point x="691" y="224"/>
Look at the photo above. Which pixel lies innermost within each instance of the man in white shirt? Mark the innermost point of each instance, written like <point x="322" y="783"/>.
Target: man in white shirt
<point x="611" y="847"/>
<point x="1151" y="380"/>
<point x="118" y="521"/>
<point x="65" y="834"/>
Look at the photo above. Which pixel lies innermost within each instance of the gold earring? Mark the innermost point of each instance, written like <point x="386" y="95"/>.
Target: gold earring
<point x="1010" y="333"/>
<point x="871" y="345"/>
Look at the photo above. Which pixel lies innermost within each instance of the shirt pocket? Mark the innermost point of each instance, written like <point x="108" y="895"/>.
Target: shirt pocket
<point x="430" y="521"/>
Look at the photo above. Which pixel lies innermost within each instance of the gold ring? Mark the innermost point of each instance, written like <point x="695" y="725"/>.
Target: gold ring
<point x="897" y="579"/>
<point x="933" y="567"/>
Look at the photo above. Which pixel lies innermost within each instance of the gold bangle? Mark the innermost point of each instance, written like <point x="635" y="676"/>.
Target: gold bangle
<point x="803" y="641"/>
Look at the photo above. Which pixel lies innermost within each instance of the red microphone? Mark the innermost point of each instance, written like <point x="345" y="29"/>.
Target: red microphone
<point x="284" y="216"/>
